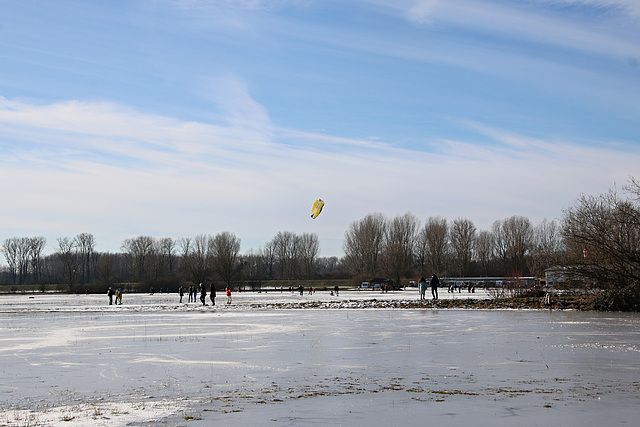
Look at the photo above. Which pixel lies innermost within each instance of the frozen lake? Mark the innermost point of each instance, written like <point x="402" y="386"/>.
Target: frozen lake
<point x="72" y="360"/>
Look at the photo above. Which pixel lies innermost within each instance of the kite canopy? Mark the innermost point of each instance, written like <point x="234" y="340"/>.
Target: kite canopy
<point x="316" y="208"/>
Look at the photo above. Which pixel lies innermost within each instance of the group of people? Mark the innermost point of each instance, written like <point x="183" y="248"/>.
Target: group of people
<point x="202" y="288"/>
<point x="453" y="286"/>
<point x="193" y="292"/>
<point x="117" y="293"/>
<point x="301" y="290"/>
<point x="434" y="283"/>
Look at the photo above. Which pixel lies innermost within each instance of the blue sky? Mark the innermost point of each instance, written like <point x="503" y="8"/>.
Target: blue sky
<point x="178" y="118"/>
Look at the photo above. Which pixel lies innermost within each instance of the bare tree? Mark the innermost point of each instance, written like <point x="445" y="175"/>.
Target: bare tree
<point x="363" y="243"/>
<point x="253" y="267"/>
<point x="485" y="250"/>
<point x="225" y="250"/>
<point x="36" y="246"/>
<point x="67" y="252"/>
<point x="285" y="245"/>
<point x="398" y="246"/>
<point x="86" y="244"/>
<point x="548" y="247"/>
<point x="603" y="238"/>
<point x="462" y="236"/>
<point x="197" y="263"/>
<point x="309" y="248"/>
<point x="434" y="235"/>
<point x="138" y="251"/>
<point x="23" y="260"/>
<point x="105" y="268"/>
<point x="513" y="239"/>
<point x="167" y="251"/>
<point x="268" y="254"/>
<point x="420" y="253"/>
<point x="10" y="251"/>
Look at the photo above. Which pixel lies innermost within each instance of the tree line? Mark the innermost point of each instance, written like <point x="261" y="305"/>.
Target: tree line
<point x="597" y="241"/>
<point x="165" y="263"/>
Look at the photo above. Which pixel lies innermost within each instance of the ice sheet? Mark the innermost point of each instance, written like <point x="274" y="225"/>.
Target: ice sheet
<point x="75" y="361"/>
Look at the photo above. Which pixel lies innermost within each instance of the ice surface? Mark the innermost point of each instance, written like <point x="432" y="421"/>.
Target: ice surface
<point x="74" y="361"/>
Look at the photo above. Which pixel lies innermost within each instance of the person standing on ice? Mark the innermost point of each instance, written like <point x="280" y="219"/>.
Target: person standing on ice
<point x="422" y="287"/>
<point x="434" y="286"/>
<point x="228" y="295"/>
<point x="212" y="295"/>
<point x="203" y="293"/>
<point x="110" y="294"/>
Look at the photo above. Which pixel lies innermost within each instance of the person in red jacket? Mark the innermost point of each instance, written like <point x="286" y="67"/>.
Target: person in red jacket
<point x="228" y="295"/>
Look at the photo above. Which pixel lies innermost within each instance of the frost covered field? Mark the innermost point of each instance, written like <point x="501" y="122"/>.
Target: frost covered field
<point x="74" y="361"/>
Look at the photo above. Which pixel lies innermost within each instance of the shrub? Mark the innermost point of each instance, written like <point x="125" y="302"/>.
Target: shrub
<point x="619" y="299"/>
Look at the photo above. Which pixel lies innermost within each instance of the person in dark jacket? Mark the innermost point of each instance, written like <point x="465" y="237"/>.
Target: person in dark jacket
<point x="212" y="295"/>
<point x="434" y="286"/>
<point x="203" y="293"/>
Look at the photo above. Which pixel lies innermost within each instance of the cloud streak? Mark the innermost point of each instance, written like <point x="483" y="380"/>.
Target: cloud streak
<point x="201" y="117"/>
<point x="163" y="174"/>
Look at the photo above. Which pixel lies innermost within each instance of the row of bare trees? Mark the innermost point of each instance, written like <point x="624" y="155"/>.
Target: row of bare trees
<point x="166" y="261"/>
<point x="75" y="260"/>
<point x="397" y="248"/>
<point x="401" y="247"/>
<point x="606" y="227"/>
<point x="597" y="243"/>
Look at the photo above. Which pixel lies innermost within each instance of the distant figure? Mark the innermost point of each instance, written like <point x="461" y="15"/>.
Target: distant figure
<point x="119" y="296"/>
<point x="203" y="293"/>
<point x="228" y="289"/>
<point x="336" y="289"/>
<point x="181" y="292"/>
<point x="422" y="287"/>
<point x="434" y="286"/>
<point x="301" y="290"/>
<point x="110" y="294"/>
<point x="212" y="295"/>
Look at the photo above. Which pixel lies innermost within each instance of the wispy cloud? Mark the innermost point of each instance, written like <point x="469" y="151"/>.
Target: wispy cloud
<point x="164" y="173"/>
<point x="540" y="26"/>
<point x="236" y="115"/>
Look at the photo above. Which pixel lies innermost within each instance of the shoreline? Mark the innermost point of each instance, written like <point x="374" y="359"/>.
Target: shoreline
<point x="21" y="303"/>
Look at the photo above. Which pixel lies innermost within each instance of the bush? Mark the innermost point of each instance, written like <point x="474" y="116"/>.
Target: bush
<point x="619" y="299"/>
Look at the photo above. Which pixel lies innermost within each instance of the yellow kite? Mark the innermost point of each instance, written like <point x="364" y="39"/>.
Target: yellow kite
<point x="316" y="208"/>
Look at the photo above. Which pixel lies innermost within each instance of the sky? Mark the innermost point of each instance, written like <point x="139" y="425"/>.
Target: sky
<point x="170" y="118"/>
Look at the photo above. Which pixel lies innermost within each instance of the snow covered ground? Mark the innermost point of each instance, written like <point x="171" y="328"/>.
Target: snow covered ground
<point x="75" y="361"/>
<point x="241" y="300"/>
